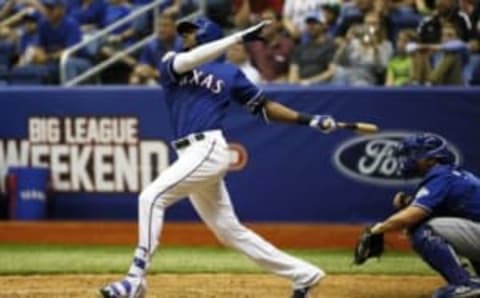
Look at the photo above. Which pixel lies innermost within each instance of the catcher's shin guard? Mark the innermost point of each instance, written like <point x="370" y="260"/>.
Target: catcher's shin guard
<point x="438" y="254"/>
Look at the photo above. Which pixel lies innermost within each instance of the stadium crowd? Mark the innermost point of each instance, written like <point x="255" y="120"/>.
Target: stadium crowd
<point x="309" y="42"/>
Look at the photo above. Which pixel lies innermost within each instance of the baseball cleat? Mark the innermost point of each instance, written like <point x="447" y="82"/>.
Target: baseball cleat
<point x="126" y="288"/>
<point x="309" y="291"/>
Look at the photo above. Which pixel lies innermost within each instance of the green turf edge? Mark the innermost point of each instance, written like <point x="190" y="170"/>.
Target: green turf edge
<point x="62" y="259"/>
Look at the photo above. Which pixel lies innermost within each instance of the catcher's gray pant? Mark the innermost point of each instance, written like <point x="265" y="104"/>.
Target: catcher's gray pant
<point x="462" y="234"/>
<point x="198" y="173"/>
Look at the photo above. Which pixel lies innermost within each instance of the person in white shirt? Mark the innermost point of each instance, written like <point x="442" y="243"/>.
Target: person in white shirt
<point x="238" y="56"/>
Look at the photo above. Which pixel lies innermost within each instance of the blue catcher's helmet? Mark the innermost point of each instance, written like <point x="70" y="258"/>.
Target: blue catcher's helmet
<point x="206" y="29"/>
<point x="424" y="145"/>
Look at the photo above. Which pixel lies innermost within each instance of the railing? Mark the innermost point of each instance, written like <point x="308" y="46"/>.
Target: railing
<point x="15" y="17"/>
<point x="119" y="55"/>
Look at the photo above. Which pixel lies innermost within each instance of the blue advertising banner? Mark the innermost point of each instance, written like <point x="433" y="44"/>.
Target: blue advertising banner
<point x="103" y="145"/>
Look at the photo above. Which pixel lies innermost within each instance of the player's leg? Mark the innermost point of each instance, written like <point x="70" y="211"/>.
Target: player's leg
<point x="213" y="204"/>
<point x="439" y="253"/>
<point x="463" y="235"/>
<point x="174" y="183"/>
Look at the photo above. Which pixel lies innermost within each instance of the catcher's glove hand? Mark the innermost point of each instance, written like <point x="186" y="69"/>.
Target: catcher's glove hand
<point x="368" y="246"/>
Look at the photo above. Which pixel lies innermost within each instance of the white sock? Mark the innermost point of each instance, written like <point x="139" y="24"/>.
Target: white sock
<point x="139" y="264"/>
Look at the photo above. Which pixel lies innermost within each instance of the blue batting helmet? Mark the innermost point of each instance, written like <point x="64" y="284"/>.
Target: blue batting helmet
<point x="206" y="29"/>
<point x="424" y="145"/>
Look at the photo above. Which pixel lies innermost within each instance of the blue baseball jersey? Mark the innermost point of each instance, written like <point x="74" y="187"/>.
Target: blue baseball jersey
<point x="94" y="13"/>
<point x="449" y="191"/>
<point x="55" y="37"/>
<point x="198" y="100"/>
<point x="114" y="13"/>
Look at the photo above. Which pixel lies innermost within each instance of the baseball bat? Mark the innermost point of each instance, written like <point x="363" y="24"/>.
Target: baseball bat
<point x="359" y="127"/>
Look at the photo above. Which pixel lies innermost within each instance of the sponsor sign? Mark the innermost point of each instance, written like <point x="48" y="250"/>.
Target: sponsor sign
<point x="371" y="159"/>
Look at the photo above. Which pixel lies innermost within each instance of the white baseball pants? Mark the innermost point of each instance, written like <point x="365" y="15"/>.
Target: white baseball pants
<point x="198" y="173"/>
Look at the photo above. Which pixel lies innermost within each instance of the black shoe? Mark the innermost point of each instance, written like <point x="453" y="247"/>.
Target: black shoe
<point x="307" y="292"/>
<point x="301" y="293"/>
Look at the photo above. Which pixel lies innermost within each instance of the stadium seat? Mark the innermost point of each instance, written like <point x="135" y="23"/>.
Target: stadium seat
<point x="29" y="75"/>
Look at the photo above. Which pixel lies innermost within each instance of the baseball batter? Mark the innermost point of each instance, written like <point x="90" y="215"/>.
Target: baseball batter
<point x="198" y="88"/>
<point x="442" y="216"/>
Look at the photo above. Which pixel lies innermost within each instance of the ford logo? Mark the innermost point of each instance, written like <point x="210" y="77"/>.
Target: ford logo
<point x="371" y="159"/>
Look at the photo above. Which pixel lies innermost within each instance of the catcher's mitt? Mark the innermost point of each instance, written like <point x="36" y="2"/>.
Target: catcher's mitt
<point x="368" y="246"/>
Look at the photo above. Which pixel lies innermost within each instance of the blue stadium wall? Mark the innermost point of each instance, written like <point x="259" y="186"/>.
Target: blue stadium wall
<point x="103" y="145"/>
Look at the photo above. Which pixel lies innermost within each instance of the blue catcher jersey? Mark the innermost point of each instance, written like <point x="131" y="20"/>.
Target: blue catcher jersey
<point x="198" y="99"/>
<point x="450" y="191"/>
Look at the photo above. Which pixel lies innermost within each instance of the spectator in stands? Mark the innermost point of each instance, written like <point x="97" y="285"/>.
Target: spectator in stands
<point x="475" y="20"/>
<point x="56" y="33"/>
<point x="90" y="14"/>
<point x="400" y="67"/>
<point x="330" y="13"/>
<point x="167" y="40"/>
<point x="449" y="63"/>
<point x="363" y="57"/>
<point x="238" y="56"/>
<point x="271" y="55"/>
<point x="295" y="12"/>
<point x="221" y="12"/>
<point x="28" y="38"/>
<point x="430" y="29"/>
<point x="311" y="62"/>
<point x="123" y="35"/>
<point x="142" y="24"/>
<point x="353" y="15"/>
<point x="401" y="14"/>
<point x="248" y="12"/>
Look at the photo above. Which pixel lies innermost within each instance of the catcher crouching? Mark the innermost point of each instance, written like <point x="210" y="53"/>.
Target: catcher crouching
<point x="442" y="216"/>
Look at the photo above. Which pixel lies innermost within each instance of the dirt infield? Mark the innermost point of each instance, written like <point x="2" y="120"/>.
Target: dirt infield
<point x="221" y="286"/>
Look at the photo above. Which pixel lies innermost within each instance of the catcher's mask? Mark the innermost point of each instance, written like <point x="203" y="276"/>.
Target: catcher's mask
<point x="420" y="146"/>
<point x="206" y="29"/>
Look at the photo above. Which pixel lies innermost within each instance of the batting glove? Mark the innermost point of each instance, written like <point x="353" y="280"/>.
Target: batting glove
<point x="253" y="33"/>
<point x="323" y="123"/>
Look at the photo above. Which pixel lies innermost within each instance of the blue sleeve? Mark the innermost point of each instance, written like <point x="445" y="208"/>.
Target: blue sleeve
<point x="147" y="56"/>
<point x="167" y="75"/>
<point x="41" y="40"/>
<point x="432" y="194"/>
<point x="101" y="13"/>
<point x="74" y="34"/>
<point x="244" y="91"/>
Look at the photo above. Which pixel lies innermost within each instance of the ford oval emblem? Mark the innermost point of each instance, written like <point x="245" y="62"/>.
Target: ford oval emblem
<point x="371" y="159"/>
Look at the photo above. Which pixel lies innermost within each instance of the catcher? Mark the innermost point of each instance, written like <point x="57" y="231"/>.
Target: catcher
<point x="442" y="216"/>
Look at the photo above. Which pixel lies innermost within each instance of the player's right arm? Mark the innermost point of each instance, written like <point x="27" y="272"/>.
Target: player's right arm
<point x="185" y="62"/>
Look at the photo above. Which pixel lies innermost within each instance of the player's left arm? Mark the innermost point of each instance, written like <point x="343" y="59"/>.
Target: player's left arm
<point x="426" y="200"/>
<point x="403" y="219"/>
<point x="186" y="61"/>
<point x="274" y="111"/>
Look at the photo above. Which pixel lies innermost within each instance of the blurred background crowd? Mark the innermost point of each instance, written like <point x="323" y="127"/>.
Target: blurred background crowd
<point x="309" y="42"/>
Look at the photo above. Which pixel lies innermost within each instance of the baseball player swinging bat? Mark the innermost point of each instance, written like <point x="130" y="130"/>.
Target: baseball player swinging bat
<point x="363" y="128"/>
